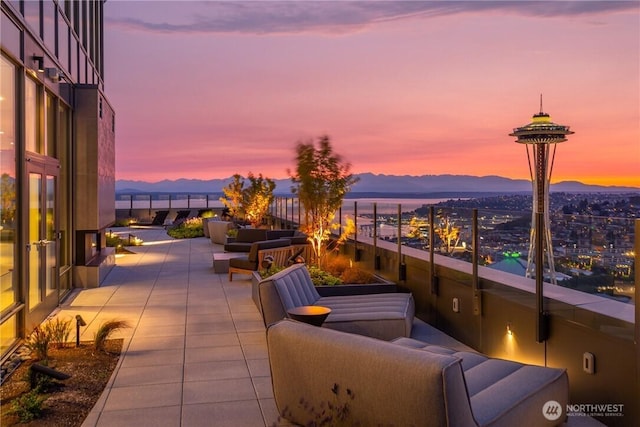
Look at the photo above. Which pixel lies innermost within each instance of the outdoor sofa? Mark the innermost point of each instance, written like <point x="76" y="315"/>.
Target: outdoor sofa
<point x="384" y="316"/>
<point x="405" y="382"/>
<point x="244" y="239"/>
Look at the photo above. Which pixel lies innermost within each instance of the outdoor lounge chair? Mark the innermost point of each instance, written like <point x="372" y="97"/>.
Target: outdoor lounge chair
<point x="385" y="316"/>
<point x="279" y="251"/>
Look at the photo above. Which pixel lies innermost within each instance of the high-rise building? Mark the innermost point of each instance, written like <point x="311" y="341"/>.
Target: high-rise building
<point x="541" y="137"/>
<point x="57" y="140"/>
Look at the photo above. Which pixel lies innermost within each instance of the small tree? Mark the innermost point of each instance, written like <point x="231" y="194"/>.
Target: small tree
<point x="447" y="231"/>
<point x="233" y="196"/>
<point x="252" y="202"/>
<point x="321" y="180"/>
<point x="257" y="198"/>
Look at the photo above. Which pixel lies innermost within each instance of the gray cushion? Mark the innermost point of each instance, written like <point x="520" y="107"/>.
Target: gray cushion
<point x="391" y="385"/>
<point x="384" y="316"/>
<point x="250" y="235"/>
<point x="502" y="392"/>
<point x="237" y="247"/>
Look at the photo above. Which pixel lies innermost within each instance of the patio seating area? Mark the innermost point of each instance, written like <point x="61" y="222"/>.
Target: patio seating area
<point x="196" y="351"/>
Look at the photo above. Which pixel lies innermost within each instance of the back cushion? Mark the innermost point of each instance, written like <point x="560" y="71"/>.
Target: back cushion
<point x="295" y="287"/>
<point x="278" y="234"/>
<point x="391" y="385"/>
<point x="250" y="235"/>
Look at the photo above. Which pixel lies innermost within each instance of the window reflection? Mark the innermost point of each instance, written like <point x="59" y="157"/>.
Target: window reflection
<point x="7" y="188"/>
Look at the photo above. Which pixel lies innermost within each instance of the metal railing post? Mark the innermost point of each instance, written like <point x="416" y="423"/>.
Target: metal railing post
<point x="477" y="299"/>
<point x="376" y="257"/>
<point x="433" y="279"/>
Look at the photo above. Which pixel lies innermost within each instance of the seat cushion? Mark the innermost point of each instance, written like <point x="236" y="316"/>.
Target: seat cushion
<point x="503" y="392"/>
<point x="243" y="263"/>
<point x="383" y="316"/>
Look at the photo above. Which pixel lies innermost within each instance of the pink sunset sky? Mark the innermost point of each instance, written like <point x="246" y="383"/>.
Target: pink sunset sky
<point x="208" y="89"/>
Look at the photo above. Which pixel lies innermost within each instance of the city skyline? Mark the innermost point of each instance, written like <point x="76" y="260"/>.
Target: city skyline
<point x="405" y="88"/>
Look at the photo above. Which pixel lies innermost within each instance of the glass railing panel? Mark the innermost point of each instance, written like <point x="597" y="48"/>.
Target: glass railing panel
<point x="123" y="201"/>
<point x="595" y="254"/>
<point x="504" y="239"/>
<point x="141" y="201"/>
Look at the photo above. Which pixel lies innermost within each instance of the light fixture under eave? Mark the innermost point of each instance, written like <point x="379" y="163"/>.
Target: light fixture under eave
<point x="53" y="74"/>
<point x="39" y="61"/>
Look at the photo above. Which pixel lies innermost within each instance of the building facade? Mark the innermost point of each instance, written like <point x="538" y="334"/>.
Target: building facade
<point x="57" y="154"/>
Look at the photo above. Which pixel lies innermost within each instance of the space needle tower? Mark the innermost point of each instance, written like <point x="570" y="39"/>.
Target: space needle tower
<point x="540" y="138"/>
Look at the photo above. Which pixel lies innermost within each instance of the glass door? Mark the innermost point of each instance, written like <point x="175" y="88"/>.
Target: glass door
<point x="42" y="246"/>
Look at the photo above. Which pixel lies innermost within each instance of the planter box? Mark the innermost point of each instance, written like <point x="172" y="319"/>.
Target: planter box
<point x="357" y="289"/>
<point x="331" y="291"/>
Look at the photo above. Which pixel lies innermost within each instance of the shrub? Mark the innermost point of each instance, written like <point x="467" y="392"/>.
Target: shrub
<point x="28" y="407"/>
<point x="188" y="229"/>
<point x="105" y="330"/>
<point x="321" y="277"/>
<point x="59" y="331"/>
<point x="124" y="222"/>
<point x="344" y="269"/>
<point x="113" y="240"/>
<point x="337" y="265"/>
<point x="38" y="342"/>
<point x="358" y="276"/>
<point x="328" y="413"/>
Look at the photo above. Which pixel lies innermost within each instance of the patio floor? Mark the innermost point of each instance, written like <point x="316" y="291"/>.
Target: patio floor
<point x="195" y="354"/>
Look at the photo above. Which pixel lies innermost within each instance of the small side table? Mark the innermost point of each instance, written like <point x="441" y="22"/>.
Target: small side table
<point x="311" y="314"/>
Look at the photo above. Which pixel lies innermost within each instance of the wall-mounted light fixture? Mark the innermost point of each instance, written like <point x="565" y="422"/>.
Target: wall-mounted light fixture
<point x="53" y="74"/>
<point x="509" y="330"/>
<point x="39" y="62"/>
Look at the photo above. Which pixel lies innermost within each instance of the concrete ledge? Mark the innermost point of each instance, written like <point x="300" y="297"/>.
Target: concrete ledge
<point x="94" y="273"/>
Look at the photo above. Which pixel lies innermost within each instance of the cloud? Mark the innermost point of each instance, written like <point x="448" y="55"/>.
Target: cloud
<point x="331" y="17"/>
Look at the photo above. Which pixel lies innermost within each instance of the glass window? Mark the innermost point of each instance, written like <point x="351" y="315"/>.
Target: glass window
<point x="49" y="24"/>
<point x="76" y="19"/>
<point x="31" y="116"/>
<point x="7" y="190"/>
<point x="63" y="43"/>
<point x="83" y="67"/>
<point x="7" y="334"/>
<point x="50" y="126"/>
<point x="64" y="148"/>
<point x="32" y="15"/>
<point x="35" y="217"/>
<point x="68" y="10"/>
<point x="83" y="23"/>
<point x="16" y="4"/>
<point x="10" y="35"/>
<point x="90" y="32"/>
<point x="73" y="67"/>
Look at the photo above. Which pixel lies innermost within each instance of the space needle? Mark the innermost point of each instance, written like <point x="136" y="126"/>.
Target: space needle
<point x="540" y="138"/>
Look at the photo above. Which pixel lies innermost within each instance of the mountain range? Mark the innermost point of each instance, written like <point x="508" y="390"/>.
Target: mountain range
<point x="379" y="184"/>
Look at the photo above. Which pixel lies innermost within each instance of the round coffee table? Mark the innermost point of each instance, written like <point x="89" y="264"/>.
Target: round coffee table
<point x="311" y="314"/>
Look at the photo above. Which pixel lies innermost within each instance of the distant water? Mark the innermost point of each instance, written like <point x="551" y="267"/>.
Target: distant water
<point x="179" y="201"/>
<point x="388" y="206"/>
